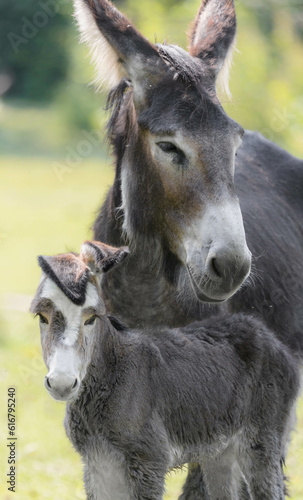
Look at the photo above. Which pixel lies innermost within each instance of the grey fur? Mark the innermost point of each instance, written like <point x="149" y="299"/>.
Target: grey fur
<point x="180" y="98"/>
<point x="219" y="393"/>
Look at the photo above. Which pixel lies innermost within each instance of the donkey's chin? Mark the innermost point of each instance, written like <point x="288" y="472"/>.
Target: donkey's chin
<point x="206" y="294"/>
<point x="63" y="398"/>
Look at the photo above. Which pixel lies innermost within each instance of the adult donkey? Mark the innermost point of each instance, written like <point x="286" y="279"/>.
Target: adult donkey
<point x="176" y="181"/>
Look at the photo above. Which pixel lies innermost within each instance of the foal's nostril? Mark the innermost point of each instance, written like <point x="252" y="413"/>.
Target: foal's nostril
<point x="48" y="382"/>
<point x="75" y="384"/>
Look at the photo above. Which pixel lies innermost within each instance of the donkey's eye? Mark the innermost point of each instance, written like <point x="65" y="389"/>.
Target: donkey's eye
<point x="168" y="147"/>
<point x="43" y="319"/>
<point x="91" y="320"/>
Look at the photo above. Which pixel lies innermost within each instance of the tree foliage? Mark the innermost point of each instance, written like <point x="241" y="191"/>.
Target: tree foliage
<point x="34" y="56"/>
<point x="42" y="59"/>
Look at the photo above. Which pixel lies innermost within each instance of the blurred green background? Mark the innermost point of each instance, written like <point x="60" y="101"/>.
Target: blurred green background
<point x="55" y="170"/>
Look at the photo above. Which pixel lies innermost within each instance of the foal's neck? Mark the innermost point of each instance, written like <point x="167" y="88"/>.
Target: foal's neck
<point x="106" y="354"/>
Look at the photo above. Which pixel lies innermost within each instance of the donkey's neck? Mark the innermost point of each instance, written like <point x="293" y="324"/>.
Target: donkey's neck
<point x="146" y="289"/>
<point x="150" y="287"/>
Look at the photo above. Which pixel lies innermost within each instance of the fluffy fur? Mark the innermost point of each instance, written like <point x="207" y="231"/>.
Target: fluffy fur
<point x="225" y="396"/>
<point x="102" y="257"/>
<point x="69" y="273"/>
<point x="109" y="70"/>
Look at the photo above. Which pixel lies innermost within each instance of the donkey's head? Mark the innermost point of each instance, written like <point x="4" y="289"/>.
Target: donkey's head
<point x="175" y="145"/>
<point x="70" y="307"/>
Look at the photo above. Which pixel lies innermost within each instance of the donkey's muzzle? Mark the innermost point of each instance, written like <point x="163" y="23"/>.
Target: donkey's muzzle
<point x="217" y="257"/>
<point x="217" y="276"/>
<point x="228" y="267"/>
<point x="62" y="387"/>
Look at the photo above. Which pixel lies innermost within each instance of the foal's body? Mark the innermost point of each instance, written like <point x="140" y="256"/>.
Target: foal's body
<point x="155" y="400"/>
<point x="219" y="393"/>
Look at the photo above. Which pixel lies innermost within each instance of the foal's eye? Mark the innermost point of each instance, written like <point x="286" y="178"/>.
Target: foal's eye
<point x="91" y="320"/>
<point x="43" y="319"/>
<point x="168" y="147"/>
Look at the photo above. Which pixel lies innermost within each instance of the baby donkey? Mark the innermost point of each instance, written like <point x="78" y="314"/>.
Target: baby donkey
<point x="219" y="392"/>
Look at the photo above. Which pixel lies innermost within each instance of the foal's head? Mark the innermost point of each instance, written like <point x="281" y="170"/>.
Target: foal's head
<point x="70" y="307"/>
<point x="174" y="143"/>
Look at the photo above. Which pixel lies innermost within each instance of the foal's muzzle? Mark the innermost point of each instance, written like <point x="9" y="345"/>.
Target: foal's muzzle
<point x="61" y="386"/>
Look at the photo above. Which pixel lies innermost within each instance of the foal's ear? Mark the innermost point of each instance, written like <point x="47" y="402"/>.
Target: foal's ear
<point x="117" y="48"/>
<point x="69" y="273"/>
<point x="213" y="33"/>
<point x="101" y="257"/>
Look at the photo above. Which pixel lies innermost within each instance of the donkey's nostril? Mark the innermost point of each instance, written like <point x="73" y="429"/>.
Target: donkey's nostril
<point x="75" y="384"/>
<point x="48" y="382"/>
<point x="229" y="265"/>
<point x="215" y="267"/>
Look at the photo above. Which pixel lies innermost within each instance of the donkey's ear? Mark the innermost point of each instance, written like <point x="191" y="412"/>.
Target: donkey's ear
<point x="69" y="273"/>
<point x="117" y="48"/>
<point x="101" y="257"/>
<point x="213" y="33"/>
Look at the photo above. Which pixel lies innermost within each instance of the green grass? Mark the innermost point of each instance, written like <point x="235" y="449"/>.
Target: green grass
<point x="41" y="215"/>
<point x="49" y="131"/>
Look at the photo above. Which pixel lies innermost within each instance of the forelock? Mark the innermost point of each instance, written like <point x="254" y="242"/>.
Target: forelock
<point x="181" y="63"/>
